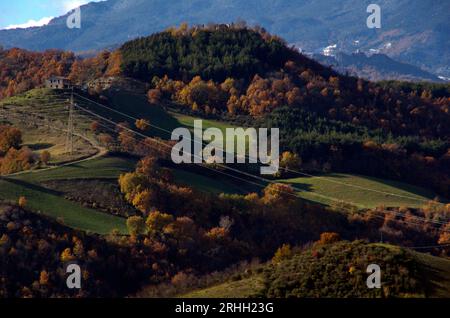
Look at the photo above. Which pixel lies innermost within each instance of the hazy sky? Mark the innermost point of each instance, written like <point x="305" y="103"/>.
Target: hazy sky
<point x="25" y="13"/>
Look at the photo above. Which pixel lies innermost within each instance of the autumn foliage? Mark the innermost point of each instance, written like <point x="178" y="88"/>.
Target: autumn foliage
<point x="22" y="70"/>
<point x="13" y="158"/>
<point x="10" y="137"/>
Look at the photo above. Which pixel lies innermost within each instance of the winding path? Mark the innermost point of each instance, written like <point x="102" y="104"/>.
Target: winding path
<point x="102" y="151"/>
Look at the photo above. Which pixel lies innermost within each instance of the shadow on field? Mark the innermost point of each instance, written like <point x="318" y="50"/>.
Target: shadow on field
<point x="304" y="187"/>
<point x="40" y="146"/>
<point x="434" y="281"/>
<point x="32" y="186"/>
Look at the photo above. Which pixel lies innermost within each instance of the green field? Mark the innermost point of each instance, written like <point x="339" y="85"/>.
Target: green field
<point x="28" y="184"/>
<point x="316" y="189"/>
<point x="109" y="167"/>
<point x="188" y="122"/>
<point x="163" y="122"/>
<point x="236" y="289"/>
<point x="41" y="95"/>
<point x="353" y="189"/>
<point x="137" y="106"/>
<point x="207" y="184"/>
<point x="325" y="189"/>
<point x="53" y="204"/>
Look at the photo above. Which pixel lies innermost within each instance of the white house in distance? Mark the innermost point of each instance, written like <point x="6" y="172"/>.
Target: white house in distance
<point x="57" y="82"/>
<point x="330" y="50"/>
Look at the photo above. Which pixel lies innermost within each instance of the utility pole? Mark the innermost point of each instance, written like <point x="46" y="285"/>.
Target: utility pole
<point x="70" y="129"/>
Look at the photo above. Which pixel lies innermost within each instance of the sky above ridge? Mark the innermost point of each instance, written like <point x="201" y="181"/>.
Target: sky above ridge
<point x="28" y="13"/>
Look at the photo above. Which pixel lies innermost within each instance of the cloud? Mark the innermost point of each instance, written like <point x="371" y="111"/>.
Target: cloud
<point x="30" y="23"/>
<point x="59" y="8"/>
<point x="69" y="5"/>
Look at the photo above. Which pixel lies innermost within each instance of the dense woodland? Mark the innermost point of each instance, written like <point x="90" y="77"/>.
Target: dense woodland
<point x="35" y="250"/>
<point x="214" y="54"/>
<point x="402" y="276"/>
<point x="21" y="70"/>
<point x="197" y="68"/>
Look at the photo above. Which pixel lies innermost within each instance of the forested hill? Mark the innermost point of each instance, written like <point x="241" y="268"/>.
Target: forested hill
<point x="337" y="120"/>
<point x="213" y="53"/>
<point x="235" y="70"/>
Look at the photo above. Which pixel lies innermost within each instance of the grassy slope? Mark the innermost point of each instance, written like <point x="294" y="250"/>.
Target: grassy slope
<point x="315" y="189"/>
<point x="438" y="270"/>
<point x="74" y="215"/>
<point x="204" y="183"/>
<point x="238" y="289"/>
<point x="352" y="189"/>
<point x="43" y="95"/>
<point x="437" y="273"/>
<point x="109" y="167"/>
<point x="188" y="121"/>
<point x="138" y="106"/>
<point x="53" y="204"/>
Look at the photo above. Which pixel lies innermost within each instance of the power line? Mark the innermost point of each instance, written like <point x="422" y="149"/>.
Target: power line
<point x="309" y="175"/>
<point x="290" y="170"/>
<point x="223" y="166"/>
<point x="416" y="221"/>
<point x="72" y="114"/>
<point x="241" y="172"/>
<point x="95" y="115"/>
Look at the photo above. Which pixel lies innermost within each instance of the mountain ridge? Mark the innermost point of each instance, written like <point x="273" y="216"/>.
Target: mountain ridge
<point x="412" y="31"/>
<point x="375" y="67"/>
